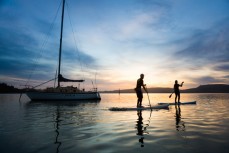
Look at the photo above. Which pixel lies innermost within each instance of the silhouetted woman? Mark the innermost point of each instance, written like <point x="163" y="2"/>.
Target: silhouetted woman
<point x="177" y="91"/>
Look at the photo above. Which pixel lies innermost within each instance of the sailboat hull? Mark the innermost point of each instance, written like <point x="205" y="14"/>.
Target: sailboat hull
<point x="55" y="96"/>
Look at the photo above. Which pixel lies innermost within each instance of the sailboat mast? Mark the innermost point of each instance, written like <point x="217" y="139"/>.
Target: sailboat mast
<point x="60" y="49"/>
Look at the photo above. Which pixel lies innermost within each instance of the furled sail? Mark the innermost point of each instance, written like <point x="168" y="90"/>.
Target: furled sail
<point x="62" y="79"/>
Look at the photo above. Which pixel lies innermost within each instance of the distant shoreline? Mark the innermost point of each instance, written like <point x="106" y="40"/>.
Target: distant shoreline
<point x="210" y="88"/>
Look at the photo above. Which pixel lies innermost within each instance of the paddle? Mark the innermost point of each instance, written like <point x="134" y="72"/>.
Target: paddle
<point x="148" y="97"/>
<point x="170" y="95"/>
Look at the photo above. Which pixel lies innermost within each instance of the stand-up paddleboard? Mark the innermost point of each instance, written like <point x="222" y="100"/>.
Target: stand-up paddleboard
<point x="181" y="103"/>
<point x="162" y="106"/>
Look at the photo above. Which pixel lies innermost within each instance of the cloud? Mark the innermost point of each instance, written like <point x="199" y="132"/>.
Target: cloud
<point x="15" y="50"/>
<point x="77" y="61"/>
<point x="24" y="53"/>
<point x="204" y="54"/>
<point x="137" y="23"/>
<point x="19" y="61"/>
<point x="226" y="77"/>
<point x="207" y="46"/>
<point x="207" y="80"/>
<point x="129" y="38"/>
<point x="222" y="67"/>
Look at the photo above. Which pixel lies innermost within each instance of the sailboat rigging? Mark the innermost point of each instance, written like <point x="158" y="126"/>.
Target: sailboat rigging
<point x="63" y="93"/>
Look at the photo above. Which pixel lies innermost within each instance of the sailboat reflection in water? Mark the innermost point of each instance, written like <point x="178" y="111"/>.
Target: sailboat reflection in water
<point x="57" y="122"/>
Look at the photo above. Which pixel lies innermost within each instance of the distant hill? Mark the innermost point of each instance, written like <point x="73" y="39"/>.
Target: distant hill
<point x="211" y="88"/>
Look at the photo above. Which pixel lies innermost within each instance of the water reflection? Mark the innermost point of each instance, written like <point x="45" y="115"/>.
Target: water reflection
<point x="141" y="129"/>
<point x="57" y="122"/>
<point x="180" y="125"/>
<point x="88" y="127"/>
<point x="61" y="114"/>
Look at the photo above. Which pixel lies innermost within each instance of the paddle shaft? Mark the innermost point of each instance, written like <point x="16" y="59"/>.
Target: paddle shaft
<point x="148" y="98"/>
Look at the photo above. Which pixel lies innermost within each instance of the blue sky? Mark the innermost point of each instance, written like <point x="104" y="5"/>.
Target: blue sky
<point x="115" y="41"/>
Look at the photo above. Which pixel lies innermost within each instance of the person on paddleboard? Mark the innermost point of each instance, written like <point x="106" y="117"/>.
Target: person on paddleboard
<point x="177" y="90"/>
<point x="138" y="90"/>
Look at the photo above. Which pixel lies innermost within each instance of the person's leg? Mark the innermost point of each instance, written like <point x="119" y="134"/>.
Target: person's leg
<point x="138" y="102"/>
<point x="175" y="97"/>
<point x="137" y="93"/>
<point x="178" y="97"/>
<point x="141" y="97"/>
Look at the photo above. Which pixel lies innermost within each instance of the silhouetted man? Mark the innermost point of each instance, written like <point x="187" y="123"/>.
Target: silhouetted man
<point x="140" y="83"/>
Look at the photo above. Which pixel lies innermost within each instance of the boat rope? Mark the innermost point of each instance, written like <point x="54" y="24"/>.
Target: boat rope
<point x="96" y="87"/>
<point x="44" y="83"/>
<point x="78" y="52"/>
<point x="47" y="36"/>
<point x="37" y="86"/>
<point x="74" y="37"/>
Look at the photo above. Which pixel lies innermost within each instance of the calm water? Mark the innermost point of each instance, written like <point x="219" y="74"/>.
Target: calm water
<point x="28" y="127"/>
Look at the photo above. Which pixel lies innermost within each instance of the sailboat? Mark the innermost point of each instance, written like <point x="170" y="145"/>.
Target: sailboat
<point x="63" y="93"/>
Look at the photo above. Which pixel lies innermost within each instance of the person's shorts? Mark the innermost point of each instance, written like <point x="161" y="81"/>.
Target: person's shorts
<point x="177" y="93"/>
<point x="139" y="93"/>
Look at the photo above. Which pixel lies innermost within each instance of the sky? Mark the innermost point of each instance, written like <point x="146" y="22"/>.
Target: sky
<point x="109" y="43"/>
